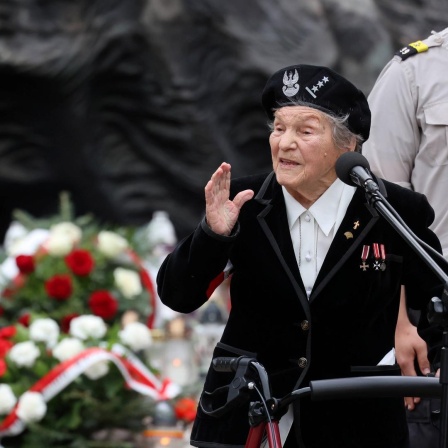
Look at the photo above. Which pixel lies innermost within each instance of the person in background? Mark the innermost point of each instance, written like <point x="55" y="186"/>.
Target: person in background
<point x="408" y="145"/>
<point x="316" y="276"/>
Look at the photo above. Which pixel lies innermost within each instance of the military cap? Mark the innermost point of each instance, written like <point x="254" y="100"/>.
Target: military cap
<point x="320" y="88"/>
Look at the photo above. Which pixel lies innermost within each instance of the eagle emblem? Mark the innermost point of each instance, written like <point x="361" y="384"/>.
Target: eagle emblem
<point x="291" y="87"/>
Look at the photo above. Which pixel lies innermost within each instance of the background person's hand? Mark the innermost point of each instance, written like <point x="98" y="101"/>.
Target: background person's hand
<point x="220" y="212"/>
<point x="409" y="346"/>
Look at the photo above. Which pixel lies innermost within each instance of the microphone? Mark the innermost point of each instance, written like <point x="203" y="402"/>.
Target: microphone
<point x="354" y="170"/>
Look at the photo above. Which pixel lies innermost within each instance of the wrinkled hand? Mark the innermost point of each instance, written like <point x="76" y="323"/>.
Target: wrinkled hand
<point x="221" y="213"/>
<point x="408" y="347"/>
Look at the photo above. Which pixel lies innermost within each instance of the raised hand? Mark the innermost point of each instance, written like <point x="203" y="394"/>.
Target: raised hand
<point x="221" y="213"/>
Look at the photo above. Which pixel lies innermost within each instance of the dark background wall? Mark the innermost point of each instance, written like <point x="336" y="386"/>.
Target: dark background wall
<point x="131" y="105"/>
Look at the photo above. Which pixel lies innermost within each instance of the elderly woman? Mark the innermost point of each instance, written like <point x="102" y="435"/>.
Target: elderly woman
<point x="316" y="276"/>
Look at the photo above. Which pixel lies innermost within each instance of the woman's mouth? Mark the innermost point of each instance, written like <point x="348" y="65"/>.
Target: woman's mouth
<point x="286" y="162"/>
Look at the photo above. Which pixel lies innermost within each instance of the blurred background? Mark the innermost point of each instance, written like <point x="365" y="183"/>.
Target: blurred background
<point x="113" y="116"/>
<point x="131" y="105"/>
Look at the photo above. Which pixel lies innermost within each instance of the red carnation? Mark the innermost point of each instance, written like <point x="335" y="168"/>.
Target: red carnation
<point x="59" y="287"/>
<point x="25" y="263"/>
<point x="3" y="367"/>
<point x="65" y="322"/>
<point x="80" y="262"/>
<point x="185" y="409"/>
<point x="103" y="304"/>
<point x="24" y="319"/>
<point x="5" y="346"/>
<point x="8" y="332"/>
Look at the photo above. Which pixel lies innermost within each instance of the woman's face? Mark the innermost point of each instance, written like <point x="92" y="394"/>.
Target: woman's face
<point x="303" y="152"/>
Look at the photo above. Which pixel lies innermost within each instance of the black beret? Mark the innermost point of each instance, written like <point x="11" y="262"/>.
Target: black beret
<point x="320" y="88"/>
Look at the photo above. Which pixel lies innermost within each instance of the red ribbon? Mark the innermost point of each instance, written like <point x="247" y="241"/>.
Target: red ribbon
<point x="365" y="252"/>
<point x="135" y="373"/>
<point x="148" y="284"/>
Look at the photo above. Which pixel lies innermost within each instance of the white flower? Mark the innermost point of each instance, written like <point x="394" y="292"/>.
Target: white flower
<point x="111" y="244"/>
<point x="24" y="354"/>
<point x="87" y="326"/>
<point x="31" y="407"/>
<point x="58" y="245"/>
<point x="29" y="243"/>
<point x="68" y="230"/>
<point x="128" y="282"/>
<point x="45" y="330"/>
<point x="7" y="399"/>
<point x="63" y="236"/>
<point x="68" y="348"/>
<point x="136" y="336"/>
<point x="98" y="370"/>
<point x="15" y="233"/>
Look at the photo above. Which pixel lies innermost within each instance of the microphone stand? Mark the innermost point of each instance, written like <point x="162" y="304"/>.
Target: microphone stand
<point x="375" y="199"/>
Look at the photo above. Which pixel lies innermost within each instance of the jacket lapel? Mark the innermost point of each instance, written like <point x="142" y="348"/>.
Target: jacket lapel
<point x="274" y="223"/>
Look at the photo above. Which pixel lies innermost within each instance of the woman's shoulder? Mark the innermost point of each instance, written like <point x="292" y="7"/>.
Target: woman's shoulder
<point x="407" y="202"/>
<point x="395" y="191"/>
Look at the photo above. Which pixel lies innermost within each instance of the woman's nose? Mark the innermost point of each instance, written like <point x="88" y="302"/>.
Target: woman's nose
<point x="287" y="141"/>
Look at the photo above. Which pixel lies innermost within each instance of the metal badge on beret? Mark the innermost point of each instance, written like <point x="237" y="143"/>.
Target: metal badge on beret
<point x="321" y="88"/>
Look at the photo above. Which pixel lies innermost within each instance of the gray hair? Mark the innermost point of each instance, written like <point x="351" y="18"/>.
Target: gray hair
<point x="342" y="135"/>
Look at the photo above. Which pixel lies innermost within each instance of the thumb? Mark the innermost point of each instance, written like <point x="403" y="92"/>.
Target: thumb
<point x="423" y="364"/>
<point x="242" y="197"/>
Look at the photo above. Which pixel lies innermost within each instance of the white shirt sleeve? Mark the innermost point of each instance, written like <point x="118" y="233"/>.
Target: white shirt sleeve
<point x="394" y="137"/>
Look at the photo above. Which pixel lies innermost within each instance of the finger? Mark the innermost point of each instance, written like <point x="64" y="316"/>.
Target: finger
<point x="242" y="197"/>
<point x="209" y="192"/>
<point x="226" y="168"/>
<point x="423" y="362"/>
<point x="409" y="403"/>
<point x="408" y="369"/>
<point x="221" y="176"/>
<point x="219" y="184"/>
<point x="216" y="180"/>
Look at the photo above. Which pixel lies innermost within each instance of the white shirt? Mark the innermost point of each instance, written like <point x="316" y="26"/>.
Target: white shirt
<point x="312" y="230"/>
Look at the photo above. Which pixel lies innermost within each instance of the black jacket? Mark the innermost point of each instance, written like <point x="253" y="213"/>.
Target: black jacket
<point x="345" y="327"/>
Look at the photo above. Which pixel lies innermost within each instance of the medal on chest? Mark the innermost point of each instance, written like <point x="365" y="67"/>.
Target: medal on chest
<point x="379" y="253"/>
<point x="364" y="255"/>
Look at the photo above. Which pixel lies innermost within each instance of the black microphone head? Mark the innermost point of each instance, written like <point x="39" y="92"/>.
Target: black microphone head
<point x="345" y="164"/>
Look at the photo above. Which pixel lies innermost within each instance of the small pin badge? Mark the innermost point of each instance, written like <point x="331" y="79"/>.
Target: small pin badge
<point x="364" y="255"/>
<point x="356" y="224"/>
<point x="348" y="235"/>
